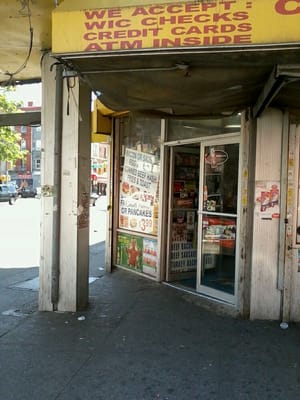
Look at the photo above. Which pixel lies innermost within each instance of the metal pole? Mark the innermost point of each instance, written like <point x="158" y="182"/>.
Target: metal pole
<point x="7" y="172"/>
<point x="57" y="180"/>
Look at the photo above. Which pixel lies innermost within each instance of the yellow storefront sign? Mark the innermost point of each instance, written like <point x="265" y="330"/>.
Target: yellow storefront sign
<point x="174" y="25"/>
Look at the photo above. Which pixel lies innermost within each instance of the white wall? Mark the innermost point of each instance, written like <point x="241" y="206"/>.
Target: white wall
<point x="265" y="297"/>
<point x="295" y="273"/>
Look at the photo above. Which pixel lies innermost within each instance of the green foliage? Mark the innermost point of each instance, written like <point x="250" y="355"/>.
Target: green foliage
<point x="9" y="139"/>
<point x="7" y="106"/>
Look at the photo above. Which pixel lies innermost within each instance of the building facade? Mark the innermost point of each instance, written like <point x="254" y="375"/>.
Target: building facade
<point x="203" y="109"/>
<point x="27" y="172"/>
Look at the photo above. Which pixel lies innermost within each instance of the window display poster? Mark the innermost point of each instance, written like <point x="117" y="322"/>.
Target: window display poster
<point x="137" y="253"/>
<point x="215" y="158"/>
<point x="138" y="191"/>
<point x="267" y="195"/>
<point x="149" y="256"/>
<point x="183" y="255"/>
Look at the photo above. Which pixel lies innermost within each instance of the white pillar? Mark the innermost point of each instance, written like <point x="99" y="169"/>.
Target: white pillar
<point x="75" y="197"/>
<point x="50" y="184"/>
<point x="265" y="296"/>
<point x="65" y="181"/>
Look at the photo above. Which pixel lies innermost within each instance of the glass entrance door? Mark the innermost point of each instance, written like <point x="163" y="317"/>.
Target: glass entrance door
<point x="202" y="220"/>
<point x="183" y="215"/>
<point x="218" y="219"/>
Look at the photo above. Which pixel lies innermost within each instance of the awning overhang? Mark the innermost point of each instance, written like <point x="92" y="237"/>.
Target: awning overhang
<point x="26" y="34"/>
<point x="190" y="83"/>
<point x="182" y="59"/>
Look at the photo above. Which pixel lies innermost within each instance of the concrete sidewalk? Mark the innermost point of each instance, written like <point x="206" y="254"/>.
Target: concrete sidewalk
<point x="140" y="340"/>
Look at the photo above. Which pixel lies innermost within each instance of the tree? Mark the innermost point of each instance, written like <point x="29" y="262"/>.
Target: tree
<point x="10" y="149"/>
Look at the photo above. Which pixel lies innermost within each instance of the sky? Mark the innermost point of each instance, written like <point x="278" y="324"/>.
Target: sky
<point x="26" y="93"/>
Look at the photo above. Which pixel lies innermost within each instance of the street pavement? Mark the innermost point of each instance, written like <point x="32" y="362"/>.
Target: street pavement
<point x="138" y="340"/>
<point x="20" y="233"/>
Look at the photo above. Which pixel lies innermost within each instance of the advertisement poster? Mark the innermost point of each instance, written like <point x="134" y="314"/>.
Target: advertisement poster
<point x="149" y="256"/>
<point x="183" y="256"/>
<point x="138" y="192"/>
<point x="215" y="160"/>
<point x="139" y="254"/>
<point x="267" y="195"/>
<point x="174" y="25"/>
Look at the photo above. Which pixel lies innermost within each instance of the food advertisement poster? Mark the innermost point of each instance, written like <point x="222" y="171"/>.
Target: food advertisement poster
<point x="183" y="256"/>
<point x="137" y="253"/>
<point x="149" y="256"/>
<point x="267" y="195"/>
<point x="138" y="191"/>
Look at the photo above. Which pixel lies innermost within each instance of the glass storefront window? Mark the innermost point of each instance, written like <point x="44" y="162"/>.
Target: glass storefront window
<point x="221" y="178"/>
<point x="139" y="193"/>
<point x="190" y="129"/>
<point x="219" y="217"/>
<point x="184" y="212"/>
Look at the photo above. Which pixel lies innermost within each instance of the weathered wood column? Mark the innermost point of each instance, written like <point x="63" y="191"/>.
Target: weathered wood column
<point x="50" y="183"/>
<point x="75" y="196"/>
<point x="65" y="176"/>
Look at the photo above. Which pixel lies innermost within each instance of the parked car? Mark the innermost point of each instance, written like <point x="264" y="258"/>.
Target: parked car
<point x="27" y="192"/>
<point x="8" y="193"/>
